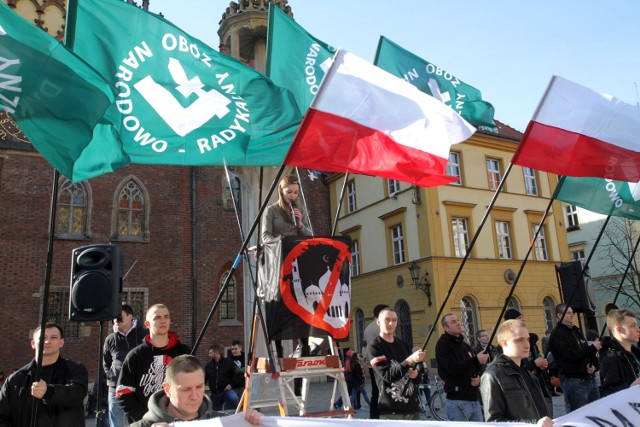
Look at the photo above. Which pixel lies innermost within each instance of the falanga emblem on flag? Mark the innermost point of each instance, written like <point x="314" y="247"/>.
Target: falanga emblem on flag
<point x="174" y="82"/>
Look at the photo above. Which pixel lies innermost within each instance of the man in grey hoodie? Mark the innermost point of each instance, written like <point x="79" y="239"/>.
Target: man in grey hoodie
<point x="182" y="397"/>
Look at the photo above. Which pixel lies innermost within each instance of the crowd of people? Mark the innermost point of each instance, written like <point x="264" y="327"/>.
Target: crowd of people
<point x="152" y="378"/>
<point x="150" y="374"/>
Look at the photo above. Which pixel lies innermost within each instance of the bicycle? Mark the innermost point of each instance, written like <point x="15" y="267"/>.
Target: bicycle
<point x="436" y="402"/>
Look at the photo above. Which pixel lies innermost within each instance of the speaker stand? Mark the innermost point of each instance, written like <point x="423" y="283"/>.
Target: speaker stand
<point x="100" y="413"/>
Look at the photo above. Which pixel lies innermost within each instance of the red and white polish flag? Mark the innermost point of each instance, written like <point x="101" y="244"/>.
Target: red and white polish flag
<point x="365" y="120"/>
<point x="579" y="132"/>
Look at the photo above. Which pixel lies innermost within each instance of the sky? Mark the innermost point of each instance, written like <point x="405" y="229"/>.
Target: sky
<point x="508" y="49"/>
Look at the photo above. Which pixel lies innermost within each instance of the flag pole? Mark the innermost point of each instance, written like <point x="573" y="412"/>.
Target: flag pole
<point x="517" y="278"/>
<point x="340" y="200"/>
<point x="44" y="310"/>
<point x="256" y="307"/>
<point x="467" y="254"/>
<point x="624" y="277"/>
<point x="238" y="258"/>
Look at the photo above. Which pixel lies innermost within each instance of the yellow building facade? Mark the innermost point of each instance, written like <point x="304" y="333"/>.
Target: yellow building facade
<point x="394" y="224"/>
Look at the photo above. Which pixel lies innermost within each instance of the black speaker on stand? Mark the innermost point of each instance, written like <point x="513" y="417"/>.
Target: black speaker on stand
<point x="577" y="294"/>
<point x="96" y="295"/>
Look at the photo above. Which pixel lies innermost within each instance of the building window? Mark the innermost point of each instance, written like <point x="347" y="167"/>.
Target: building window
<point x="503" y="237"/>
<point x="397" y="242"/>
<point x="138" y="299"/>
<point x="513" y="303"/>
<point x="228" y="302"/>
<point x="355" y="258"/>
<point x="493" y="173"/>
<point x="59" y="311"/>
<point x="549" y="307"/>
<point x="571" y="217"/>
<point x="393" y="187"/>
<point x="530" y="182"/>
<point x="131" y="211"/>
<point x="358" y="316"/>
<point x="404" y="331"/>
<point x="453" y="167"/>
<point x="540" y="244"/>
<point x="231" y="191"/>
<point x="460" y="236"/>
<point x="351" y="197"/>
<point x="73" y="210"/>
<point x="577" y="254"/>
<point x="469" y="318"/>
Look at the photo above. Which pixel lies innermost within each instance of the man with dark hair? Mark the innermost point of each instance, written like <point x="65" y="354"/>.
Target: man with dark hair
<point x="482" y="342"/>
<point x="506" y="375"/>
<point x="142" y="373"/>
<point x="219" y="374"/>
<point x="236" y="355"/>
<point x="59" y="394"/>
<point x="394" y="370"/>
<point x="576" y="359"/>
<point x="127" y="334"/>
<point x="371" y="332"/>
<point x="459" y="368"/>
<point x="183" y="397"/>
<point x="620" y="356"/>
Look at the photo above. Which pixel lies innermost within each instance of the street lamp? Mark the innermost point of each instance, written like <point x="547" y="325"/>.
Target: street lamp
<point x="424" y="285"/>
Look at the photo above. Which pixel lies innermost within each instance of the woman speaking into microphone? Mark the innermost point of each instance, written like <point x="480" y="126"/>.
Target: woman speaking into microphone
<point x="285" y="218"/>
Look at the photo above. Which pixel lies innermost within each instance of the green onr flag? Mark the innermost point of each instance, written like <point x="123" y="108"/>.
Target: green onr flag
<point x="178" y="101"/>
<point x="295" y="59"/>
<point x="600" y="195"/>
<point x="435" y="81"/>
<point x="54" y="96"/>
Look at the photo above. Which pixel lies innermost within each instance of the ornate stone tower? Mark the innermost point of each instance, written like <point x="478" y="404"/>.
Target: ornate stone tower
<point x="243" y="30"/>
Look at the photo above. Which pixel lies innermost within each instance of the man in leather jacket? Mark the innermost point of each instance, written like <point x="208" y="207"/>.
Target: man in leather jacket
<point x="509" y="391"/>
<point x="620" y="356"/>
<point x="59" y="394"/>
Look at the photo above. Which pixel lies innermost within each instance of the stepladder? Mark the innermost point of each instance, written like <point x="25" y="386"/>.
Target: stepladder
<point x="266" y="388"/>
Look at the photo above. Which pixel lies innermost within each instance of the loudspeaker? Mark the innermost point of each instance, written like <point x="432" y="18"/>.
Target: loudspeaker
<point x="583" y="300"/>
<point x="96" y="283"/>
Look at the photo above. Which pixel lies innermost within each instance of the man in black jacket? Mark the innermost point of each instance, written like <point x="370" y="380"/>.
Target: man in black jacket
<point x="143" y="369"/>
<point x="219" y="374"/>
<point x="576" y="361"/>
<point x="59" y="393"/>
<point x="509" y="391"/>
<point x="394" y="370"/>
<point x="459" y="368"/>
<point x="619" y="356"/>
<point x="127" y="334"/>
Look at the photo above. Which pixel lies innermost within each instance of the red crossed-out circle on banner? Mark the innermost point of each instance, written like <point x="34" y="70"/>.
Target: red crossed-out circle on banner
<point x="316" y="318"/>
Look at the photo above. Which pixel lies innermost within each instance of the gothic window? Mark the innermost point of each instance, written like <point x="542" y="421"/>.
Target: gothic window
<point x="469" y="318"/>
<point x="228" y="302"/>
<point x="549" y="307"/>
<point x="72" y="214"/>
<point x="131" y="212"/>
<point x="138" y="299"/>
<point x="59" y="311"/>
<point x="404" y="331"/>
<point x="231" y="192"/>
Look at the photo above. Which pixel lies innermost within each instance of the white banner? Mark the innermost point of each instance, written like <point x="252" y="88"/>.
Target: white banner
<point x="621" y="409"/>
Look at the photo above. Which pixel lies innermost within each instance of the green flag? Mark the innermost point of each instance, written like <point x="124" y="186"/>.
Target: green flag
<point x="295" y="59"/>
<point x="435" y="81"/>
<point x="600" y="195"/>
<point x="54" y="96"/>
<point x="178" y="101"/>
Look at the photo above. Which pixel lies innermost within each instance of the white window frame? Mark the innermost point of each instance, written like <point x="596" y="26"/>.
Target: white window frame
<point x="503" y="237"/>
<point x="393" y="187"/>
<point x="493" y="173"/>
<point x="571" y="217"/>
<point x="460" y="232"/>
<point x="352" y="205"/>
<point x="530" y="181"/>
<point x="540" y="245"/>
<point x="454" y="168"/>
<point x="355" y="258"/>
<point x="397" y="244"/>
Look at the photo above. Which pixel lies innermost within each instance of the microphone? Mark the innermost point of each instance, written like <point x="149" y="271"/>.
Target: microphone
<point x="295" y="219"/>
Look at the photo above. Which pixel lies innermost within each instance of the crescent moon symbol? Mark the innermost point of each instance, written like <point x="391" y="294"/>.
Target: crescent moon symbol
<point x="325" y="258"/>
